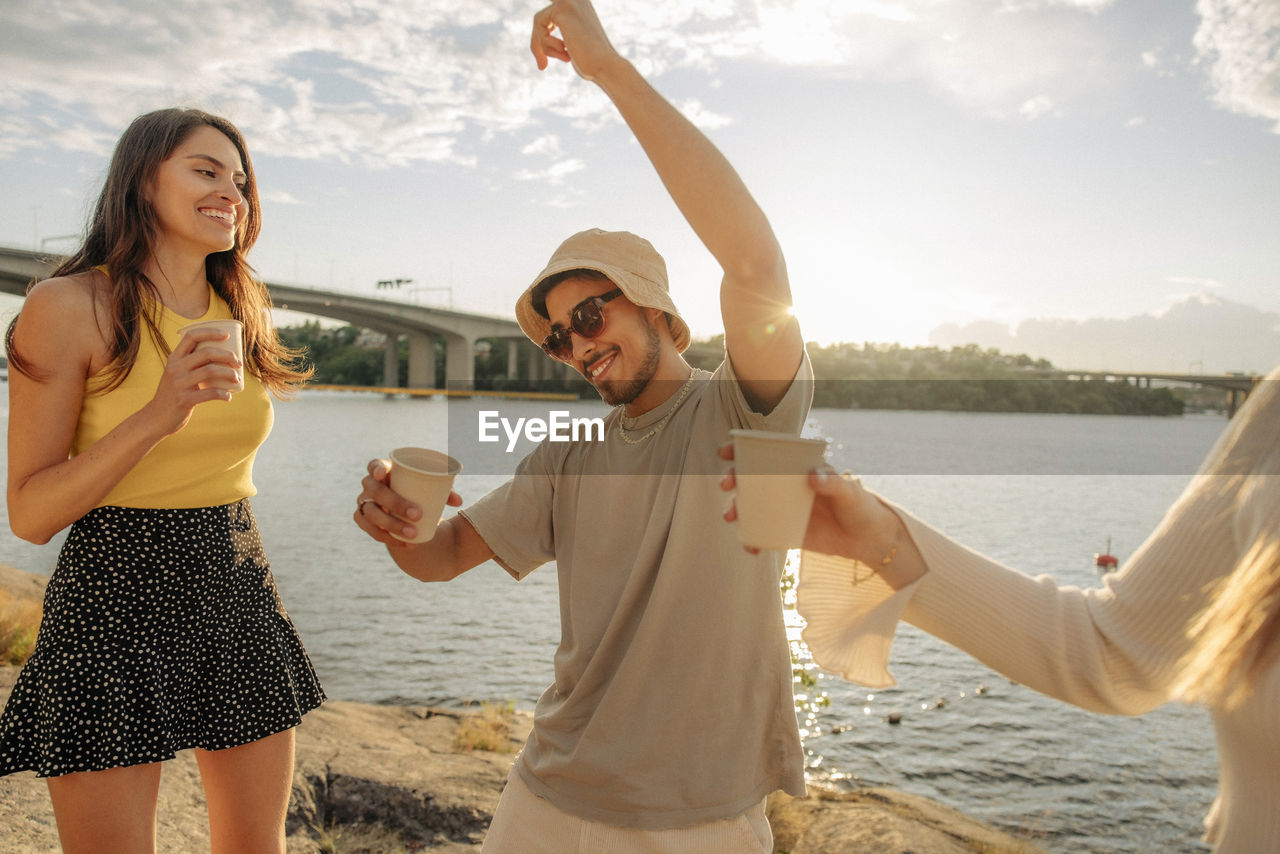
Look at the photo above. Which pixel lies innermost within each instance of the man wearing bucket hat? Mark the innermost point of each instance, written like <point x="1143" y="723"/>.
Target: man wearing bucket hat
<point x="671" y="716"/>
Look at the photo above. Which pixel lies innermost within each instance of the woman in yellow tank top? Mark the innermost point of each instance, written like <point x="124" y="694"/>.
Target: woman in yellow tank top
<point x="162" y="628"/>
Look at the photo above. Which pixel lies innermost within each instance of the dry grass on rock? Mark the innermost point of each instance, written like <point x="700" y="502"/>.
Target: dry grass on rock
<point x="19" y="622"/>
<point x="489" y="729"/>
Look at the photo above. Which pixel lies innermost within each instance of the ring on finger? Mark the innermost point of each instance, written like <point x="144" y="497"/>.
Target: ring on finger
<point x="360" y="503"/>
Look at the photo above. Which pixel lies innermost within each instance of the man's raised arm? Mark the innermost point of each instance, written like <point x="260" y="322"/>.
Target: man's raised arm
<point x="761" y="335"/>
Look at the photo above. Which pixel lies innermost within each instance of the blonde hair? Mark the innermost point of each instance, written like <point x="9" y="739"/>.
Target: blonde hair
<point x="1238" y="633"/>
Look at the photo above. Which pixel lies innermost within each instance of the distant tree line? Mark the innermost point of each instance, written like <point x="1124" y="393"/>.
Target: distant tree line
<point x="969" y="379"/>
<point x="849" y="376"/>
<point x="337" y="354"/>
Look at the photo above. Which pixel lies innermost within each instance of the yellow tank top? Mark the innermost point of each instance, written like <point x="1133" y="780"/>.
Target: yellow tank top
<point x="206" y="463"/>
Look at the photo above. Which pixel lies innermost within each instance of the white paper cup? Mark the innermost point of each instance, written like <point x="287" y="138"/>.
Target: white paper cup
<point x="773" y="493"/>
<point x="234" y="343"/>
<point x="425" y="477"/>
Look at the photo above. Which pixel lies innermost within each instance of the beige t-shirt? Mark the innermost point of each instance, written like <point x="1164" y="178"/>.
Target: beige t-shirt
<point x="672" y="700"/>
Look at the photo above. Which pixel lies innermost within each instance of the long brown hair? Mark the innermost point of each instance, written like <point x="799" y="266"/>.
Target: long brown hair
<point x="124" y="228"/>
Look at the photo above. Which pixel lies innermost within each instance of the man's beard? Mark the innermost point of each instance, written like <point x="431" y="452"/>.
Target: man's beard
<point x="623" y="392"/>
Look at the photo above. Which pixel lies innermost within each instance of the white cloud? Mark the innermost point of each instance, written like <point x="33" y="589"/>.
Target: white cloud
<point x="280" y="197"/>
<point x="996" y="56"/>
<point x="429" y="80"/>
<point x="21" y="130"/>
<point x="1240" y="42"/>
<point x="1136" y="121"/>
<point x="547" y="145"/>
<point x="1155" y="60"/>
<point x="1086" y="5"/>
<point x="1040" y="105"/>
<point x="554" y="174"/>
<point x="1201" y="329"/>
<point x="1194" y="282"/>
<point x="385" y="83"/>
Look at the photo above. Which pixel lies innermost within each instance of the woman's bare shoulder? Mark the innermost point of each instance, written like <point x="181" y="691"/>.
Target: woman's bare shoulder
<point x="77" y="293"/>
<point x="77" y="297"/>
<point x="65" y="313"/>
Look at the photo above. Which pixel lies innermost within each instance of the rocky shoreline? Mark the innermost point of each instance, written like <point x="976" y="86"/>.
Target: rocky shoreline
<point x="391" y="779"/>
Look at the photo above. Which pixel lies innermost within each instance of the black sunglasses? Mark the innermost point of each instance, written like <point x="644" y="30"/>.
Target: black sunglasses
<point x="586" y="319"/>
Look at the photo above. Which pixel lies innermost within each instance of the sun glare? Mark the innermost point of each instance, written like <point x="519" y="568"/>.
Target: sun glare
<point x="881" y="314"/>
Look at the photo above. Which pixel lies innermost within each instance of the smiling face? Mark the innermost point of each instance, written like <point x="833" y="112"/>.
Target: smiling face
<point x="624" y="357"/>
<point x="198" y="193"/>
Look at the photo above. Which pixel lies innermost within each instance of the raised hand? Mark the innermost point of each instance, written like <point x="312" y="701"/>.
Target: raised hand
<point x="582" y="40"/>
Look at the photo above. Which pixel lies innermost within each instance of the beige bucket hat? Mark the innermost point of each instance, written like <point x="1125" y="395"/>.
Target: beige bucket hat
<point x="629" y="261"/>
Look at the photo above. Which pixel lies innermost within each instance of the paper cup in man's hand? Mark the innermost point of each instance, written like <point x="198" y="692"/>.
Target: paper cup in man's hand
<point x="773" y="493"/>
<point x="425" y="477"/>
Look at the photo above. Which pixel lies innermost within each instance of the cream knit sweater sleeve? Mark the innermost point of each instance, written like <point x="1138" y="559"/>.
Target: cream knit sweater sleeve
<point x="1111" y="649"/>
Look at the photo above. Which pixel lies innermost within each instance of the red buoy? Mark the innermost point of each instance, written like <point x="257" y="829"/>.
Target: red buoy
<point x="1105" y="561"/>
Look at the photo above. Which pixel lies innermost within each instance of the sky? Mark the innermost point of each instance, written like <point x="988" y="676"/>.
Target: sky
<point x="1092" y="181"/>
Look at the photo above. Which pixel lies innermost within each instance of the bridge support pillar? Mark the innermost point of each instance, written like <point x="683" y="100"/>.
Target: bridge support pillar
<point x="391" y="362"/>
<point x="553" y="370"/>
<point x="513" y="358"/>
<point x="422" y="360"/>
<point x="460" y="362"/>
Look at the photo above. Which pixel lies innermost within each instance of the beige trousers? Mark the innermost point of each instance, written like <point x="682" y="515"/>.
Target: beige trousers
<point x="524" y="823"/>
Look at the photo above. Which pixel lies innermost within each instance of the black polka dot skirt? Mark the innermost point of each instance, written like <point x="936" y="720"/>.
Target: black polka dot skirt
<point x="162" y="631"/>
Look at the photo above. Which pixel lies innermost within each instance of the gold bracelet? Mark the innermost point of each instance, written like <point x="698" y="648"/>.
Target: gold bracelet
<point x="884" y="562"/>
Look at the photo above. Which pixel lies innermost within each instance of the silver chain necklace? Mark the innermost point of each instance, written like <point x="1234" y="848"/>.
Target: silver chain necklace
<point x="657" y="428"/>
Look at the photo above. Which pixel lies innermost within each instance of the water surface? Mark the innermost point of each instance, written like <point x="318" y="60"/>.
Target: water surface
<point x="1039" y="492"/>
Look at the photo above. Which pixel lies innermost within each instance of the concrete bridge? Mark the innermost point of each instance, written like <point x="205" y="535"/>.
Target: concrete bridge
<point x="425" y="325"/>
<point x="1237" y="386"/>
<point x="422" y="325"/>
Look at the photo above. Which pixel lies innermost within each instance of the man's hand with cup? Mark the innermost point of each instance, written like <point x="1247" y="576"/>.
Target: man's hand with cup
<point x="849" y="521"/>
<point x="403" y="498"/>
<point x="401" y="504"/>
